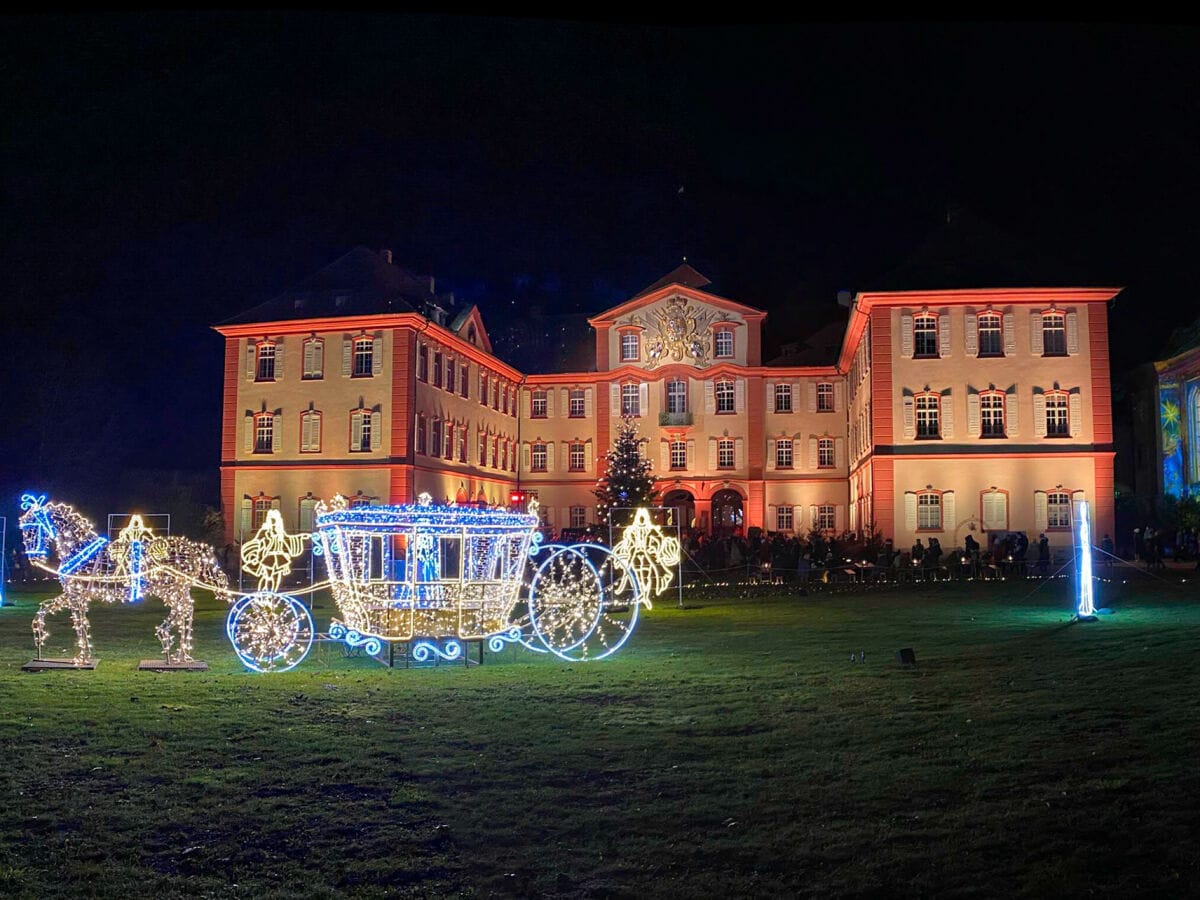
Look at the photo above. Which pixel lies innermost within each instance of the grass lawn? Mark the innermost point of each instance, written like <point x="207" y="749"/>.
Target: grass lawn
<point x="729" y="749"/>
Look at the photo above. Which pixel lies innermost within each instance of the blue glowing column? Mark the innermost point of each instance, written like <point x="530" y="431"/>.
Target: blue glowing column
<point x="1086" y="606"/>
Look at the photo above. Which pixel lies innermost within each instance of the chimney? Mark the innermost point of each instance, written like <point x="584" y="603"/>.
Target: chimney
<point x="387" y="256"/>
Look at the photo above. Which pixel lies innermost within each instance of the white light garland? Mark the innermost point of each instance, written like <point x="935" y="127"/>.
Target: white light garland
<point x="650" y="554"/>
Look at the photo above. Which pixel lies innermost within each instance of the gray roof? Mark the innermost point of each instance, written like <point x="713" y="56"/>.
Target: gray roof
<point x="362" y="282"/>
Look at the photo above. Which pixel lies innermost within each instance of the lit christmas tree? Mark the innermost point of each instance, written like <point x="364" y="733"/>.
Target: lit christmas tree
<point x="626" y="481"/>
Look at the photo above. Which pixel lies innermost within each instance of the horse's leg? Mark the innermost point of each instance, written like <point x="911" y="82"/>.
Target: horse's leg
<point x="47" y="608"/>
<point x="181" y="616"/>
<point x="83" y="630"/>
<point x="164" y="629"/>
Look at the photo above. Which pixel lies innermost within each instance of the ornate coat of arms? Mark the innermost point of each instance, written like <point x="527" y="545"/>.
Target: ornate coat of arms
<point x="678" y="331"/>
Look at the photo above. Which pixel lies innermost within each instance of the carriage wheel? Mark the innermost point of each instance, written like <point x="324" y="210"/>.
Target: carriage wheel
<point x="270" y="632"/>
<point x="583" y="602"/>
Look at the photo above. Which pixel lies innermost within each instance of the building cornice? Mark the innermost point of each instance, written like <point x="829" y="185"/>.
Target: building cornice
<point x="609" y="316"/>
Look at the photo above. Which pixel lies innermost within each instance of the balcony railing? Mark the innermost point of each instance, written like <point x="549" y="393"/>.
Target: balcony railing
<point x="670" y="418"/>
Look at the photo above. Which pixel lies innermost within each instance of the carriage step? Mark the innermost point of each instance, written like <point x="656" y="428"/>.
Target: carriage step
<point x="49" y="665"/>
<point x="161" y="665"/>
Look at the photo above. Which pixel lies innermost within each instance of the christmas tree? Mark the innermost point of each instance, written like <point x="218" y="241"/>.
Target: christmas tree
<point x="626" y="481"/>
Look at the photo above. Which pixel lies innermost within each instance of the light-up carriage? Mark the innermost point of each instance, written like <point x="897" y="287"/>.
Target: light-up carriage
<point x="432" y="578"/>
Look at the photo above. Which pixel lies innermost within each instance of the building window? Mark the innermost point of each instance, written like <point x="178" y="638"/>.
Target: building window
<point x="264" y="433"/>
<point x="364" y="357"/>
<point x="991" y="414"/>
<point x="783" y="453"/>
<point x="262" y="506"/>
<point x="314" y="359"/>
<point x="783" y="518"/>
<point x="925" y="336"/>
<point x="362" y="428"/>
<point x="928" y="407"/>
<point x="824" y="397"/>
<point x="496" y="395"/>
<point x="991" y="335"/>
<point x="1054" y="334"/>
<point x="537" y="404"/>
<point x="451" y="366"/>
<point x="435" y="438"/>
<point x="504" y="401"/>
<point x="725" y="401"/>
<point x="1058" y="420"/>
<point x="825" y="517"/>
<point x="437" y="369"/>
<point x="783" y="398"/>
<point x="995" y="510"/>
<point x="448" y="441"/>
<point x="464" y="381"/>
<point x="678" y="455"/>
<point x="482" y="449"/>
<point x="576" y="457"/>
<point x="576" y="404"/>
<point x="483" y="388"/>
<point x="630" y="404"/>
<point x="538" y="458"/>
<point x="723" y="343"/>
<point x="725" y="453"/>
<point x="929" y="512"/>
<point x="578" y="516"/>
<point x="676" y="396"/>
<point x="629" y="346"/>
<point x="422" y="363"/>
<point x="495" y="453"/>
<point x="310" y="432"/>
<point x="503" y="454"/>
<point x="265" y="370"/>
<point x="421" y="434"/>
<point x="360" y="499"/>
<point x="1058" y="510"/>
<point x="825" y="453"/>
<point x="462" y="444"/>
<point x="308" y="512"/>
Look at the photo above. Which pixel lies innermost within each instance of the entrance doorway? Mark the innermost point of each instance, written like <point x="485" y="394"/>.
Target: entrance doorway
<point x="684" y="506"/>
<point x="727" y="515"/>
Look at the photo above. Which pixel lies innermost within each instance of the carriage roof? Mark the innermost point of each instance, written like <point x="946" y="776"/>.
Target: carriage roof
<point x="447" y="520"/>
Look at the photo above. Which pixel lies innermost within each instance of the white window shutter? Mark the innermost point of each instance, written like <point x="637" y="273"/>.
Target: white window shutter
<point x="910" y="511"/>
<point x="664" y="447"/>
<point x="376" y="430"/>
<point x="566" y="402"/>
<point x="549" y="401"/>
<point x="587" y="402"/>
<point x="614" y="393"/>
<point x="247" y="512"/>
<point x="377" y="355"/>
<point x="279" y="359"/>
<point x="526" y="401"/>
<point x="814" y="458"/>
<point x="949" y="512"/>
<point x="1039" y="415"/>
<point x="712" y="454"/>
<point x="944" y="345"/>
<point x="1010" y="334"/>
<point x="814" y="514"/>
<point x="906" y="336"/>
<point x="274" y="503"/>
<point x="946" y="415"/>
<point x="770" y="454"/>
<point x="770" y="396"/>
<point x="739" y="454"/>
<point x="276" y="432"/>
<point x="525" y="457"/>
<point x="839" y="396"/>
<point x="1035" y="334"/>
<point x="972" y="415"/>
<point x="305" y="432"/>
<point x="691" y="455"/>
<point x="643" y="399"/>
<point x="549" y="456"/>
<point x="971" y="335"/>
<point x="710" y="400"/>
<point x="839" y="518"/>
<point x="1041" y="517"/>
<point x="812" y="396"/>
<point x="1075" y="405"/>
<point x="251" y="359"/>
<point x="1012" y="414"/>
<point x="739" y="395"/>
<point x="839" y="452"/>
<point x="910" y="428"/>
<point x="1072" y="332"/>
<point x="356" y="420"/>
<point x="347" y="355"/>
<point x="248" y="445"/>
<point x="310" y="350"/>
<point x="797" y="517"/>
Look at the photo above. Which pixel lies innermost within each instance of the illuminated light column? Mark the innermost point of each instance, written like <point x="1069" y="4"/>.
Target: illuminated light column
<point x="1086" y="608"/>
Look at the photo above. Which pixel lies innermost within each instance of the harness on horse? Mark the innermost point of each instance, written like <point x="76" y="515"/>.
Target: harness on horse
<point x="80" y="557"/>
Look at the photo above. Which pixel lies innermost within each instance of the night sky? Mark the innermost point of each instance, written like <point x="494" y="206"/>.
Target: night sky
<point x="162" y="172"/>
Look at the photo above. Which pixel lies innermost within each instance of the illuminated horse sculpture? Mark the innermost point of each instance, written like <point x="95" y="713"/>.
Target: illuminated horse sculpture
<point x="93" y="569"/>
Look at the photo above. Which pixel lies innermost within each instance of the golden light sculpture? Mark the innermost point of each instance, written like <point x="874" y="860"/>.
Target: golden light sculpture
<point x="268" y="555"/>
<point x="649" y="554"/>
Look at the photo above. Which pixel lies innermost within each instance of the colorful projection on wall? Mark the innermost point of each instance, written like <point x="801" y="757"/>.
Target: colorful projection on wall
<point x="1171" y="425"/>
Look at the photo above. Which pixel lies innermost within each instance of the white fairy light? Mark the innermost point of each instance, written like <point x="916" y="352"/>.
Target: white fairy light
<point x="268" y="555"/>
<point x="650" y="554"/>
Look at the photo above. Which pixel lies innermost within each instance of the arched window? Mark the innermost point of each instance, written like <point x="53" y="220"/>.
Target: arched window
<point x="991" y="414"/>
<point x="364" y="356"/>
<point x="1054" y="333"/>
<point x="929" y="511"/>
<point x="925" y="336"/>
<point x="991" y="334"/>
<point x="265" y="368"/>
<point x="264" y="432"/>
<point x="314" y="359"/>
<point x="310" y="431"/>
<point x="928" y="412"/>
<point x="1058" y="510"/>
<point x="1058" y="416"/>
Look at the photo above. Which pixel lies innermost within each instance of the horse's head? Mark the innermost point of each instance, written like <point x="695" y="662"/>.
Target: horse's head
<point x="37" y="529"/>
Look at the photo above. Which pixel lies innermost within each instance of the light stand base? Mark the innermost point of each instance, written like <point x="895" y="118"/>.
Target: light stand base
<point x="161" y="665"/>
<point x="56" y="665"/>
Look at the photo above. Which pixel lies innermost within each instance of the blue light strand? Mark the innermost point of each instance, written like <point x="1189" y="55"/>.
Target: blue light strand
<point x="82" y="556"/>
<point x="423" y="651"/>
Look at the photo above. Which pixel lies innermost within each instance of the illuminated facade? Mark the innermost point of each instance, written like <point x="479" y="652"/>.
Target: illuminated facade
<point x="946" y="411"/>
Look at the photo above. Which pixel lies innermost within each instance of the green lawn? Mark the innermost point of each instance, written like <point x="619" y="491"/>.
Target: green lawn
<point x="729" y="749"/>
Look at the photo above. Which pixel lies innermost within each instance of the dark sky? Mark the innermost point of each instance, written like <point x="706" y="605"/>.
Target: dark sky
<point x="162" y="172"/>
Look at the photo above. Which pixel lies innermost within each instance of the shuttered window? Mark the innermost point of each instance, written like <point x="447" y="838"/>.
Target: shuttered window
<point x="265" y="369"/>
<point x="364" y="356"/>
<point x="825" y="397"/>
<point x="991" y="414"/>
<point x="783" y="453"/>
<point x="538" y="405"/>
<point x="783" y="398"/>
<point x="925" y="337"/>
<point x="929" y="511"/>
<point x="1058" y="419"/>
<point x="725" y="451"/>
<point x="784" y="518"/>
<point x="725" y="397"/>
<point x="264" y="433"/>
<point x="991" y="335"/>
<point x="928" y="409"/>
<point x="538" y="458"/>
<point x="1058" y="510"/>
<point x="1054" y="334"/>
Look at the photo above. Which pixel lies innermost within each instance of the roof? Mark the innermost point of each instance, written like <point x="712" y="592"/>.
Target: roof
<point x="683" y="274"/>
<point x="821" y="348"/>
<point x="362" y="282"/>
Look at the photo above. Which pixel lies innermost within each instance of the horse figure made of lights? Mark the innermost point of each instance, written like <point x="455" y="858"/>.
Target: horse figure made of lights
<point x="92" y="569"/>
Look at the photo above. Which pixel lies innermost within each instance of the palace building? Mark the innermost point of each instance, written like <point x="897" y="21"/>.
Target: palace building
<point x="946" y="412"/>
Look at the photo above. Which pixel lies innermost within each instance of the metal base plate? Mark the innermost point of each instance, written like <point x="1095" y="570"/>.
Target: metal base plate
<point x="51" y="665"/>
<point x="161" y="665"/>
